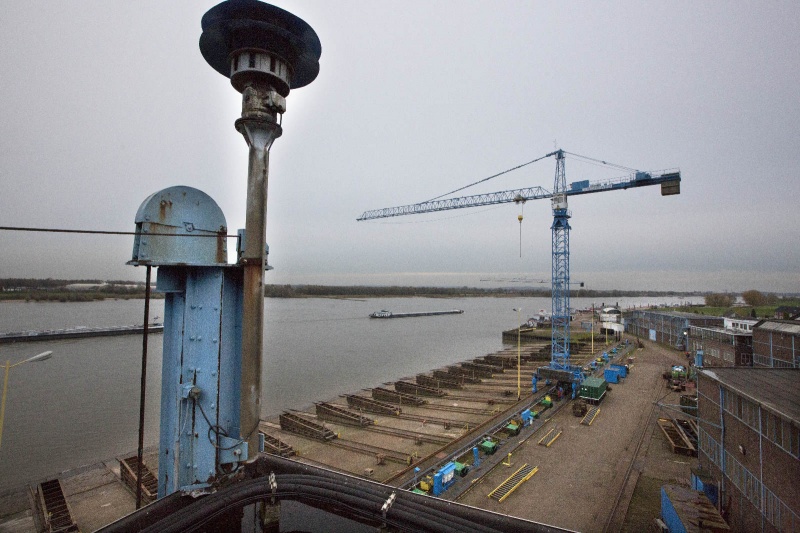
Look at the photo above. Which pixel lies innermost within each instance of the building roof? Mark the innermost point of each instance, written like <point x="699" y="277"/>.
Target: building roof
<point x="677" y="314"/>
<point x="722" y="331"/>
<point x="792" y="327"/>
<point x="593" y="382"/>
<point x="776" y="389"/>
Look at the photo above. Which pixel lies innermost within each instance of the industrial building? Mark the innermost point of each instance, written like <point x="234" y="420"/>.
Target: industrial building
<point x="743" y="324"/>
<point x="717" y="347"/>
<point x="776" y="344"/>
<point x="749" y="444"/>
<point x="667" y="327"/>
<point x="786" y="312"/>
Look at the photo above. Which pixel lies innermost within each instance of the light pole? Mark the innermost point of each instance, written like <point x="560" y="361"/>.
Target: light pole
<point x="39" y="357"/>
<point x="519" y="348"/>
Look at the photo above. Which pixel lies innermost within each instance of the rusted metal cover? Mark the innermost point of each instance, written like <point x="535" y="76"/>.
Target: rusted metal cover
<point x="180" y="226"/>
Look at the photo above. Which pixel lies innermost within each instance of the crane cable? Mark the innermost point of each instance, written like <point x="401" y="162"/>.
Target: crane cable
<point x="487" y="179"/>
<point x="606" y="163"/>
<point x="585" y="158"/>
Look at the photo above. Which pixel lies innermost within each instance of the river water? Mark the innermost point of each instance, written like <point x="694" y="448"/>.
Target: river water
<point x="82" y="405"/>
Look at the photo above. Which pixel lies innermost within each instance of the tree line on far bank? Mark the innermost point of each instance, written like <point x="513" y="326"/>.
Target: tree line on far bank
<point x="93" y="289"/>
<point x="753" y="298"/>
<point x="363" y="291"/>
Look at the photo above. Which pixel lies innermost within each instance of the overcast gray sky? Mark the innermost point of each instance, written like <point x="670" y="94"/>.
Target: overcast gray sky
<point x="104" y="103"/>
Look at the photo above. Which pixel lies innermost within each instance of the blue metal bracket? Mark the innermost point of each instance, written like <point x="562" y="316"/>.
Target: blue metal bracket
<point x="231" y="451"/>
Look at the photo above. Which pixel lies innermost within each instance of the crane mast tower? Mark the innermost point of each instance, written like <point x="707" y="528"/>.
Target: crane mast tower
<point x="560" y="317"/>
<point x="560" y="367"/>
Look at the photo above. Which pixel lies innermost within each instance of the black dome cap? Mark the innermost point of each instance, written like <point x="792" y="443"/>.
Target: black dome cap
<point x="237" y="24"/>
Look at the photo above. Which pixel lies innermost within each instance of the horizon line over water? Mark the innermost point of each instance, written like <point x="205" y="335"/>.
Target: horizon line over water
<point x="662" y="281"/>
<point x="731" y="281"/>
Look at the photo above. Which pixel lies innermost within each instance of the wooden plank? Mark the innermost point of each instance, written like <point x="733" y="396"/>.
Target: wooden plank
<point x="674" y="437"/>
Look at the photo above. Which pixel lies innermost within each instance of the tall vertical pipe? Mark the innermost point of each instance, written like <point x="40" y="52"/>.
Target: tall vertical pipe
<point x="259" y="129"/>
<point x="266" y="52"/>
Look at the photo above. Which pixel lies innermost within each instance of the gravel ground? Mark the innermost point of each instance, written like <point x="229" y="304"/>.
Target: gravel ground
<point x="582" y="474"/>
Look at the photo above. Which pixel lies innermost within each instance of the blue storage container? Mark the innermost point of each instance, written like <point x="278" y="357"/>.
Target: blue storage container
<point x="703" y="482"/>
<point x="622" y="369"/>
<point x="688" y="511"/>
<point x="611" y="375"/>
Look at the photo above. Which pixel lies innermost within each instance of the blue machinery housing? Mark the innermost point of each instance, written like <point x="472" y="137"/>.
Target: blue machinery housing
<point x="182" y="231"/>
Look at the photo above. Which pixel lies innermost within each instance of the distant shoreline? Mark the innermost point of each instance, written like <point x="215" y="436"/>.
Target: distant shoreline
<point x="351" y="292"/>
<point x="366" y="291"/>
<point x="91" y="290"/>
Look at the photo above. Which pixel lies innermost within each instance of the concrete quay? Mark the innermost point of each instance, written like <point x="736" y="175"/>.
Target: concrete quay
<point x="597" y="469"/>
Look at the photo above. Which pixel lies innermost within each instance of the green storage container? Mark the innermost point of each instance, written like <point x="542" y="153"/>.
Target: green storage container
<point x="488" y="447"/>
<point x="593" y="388"/>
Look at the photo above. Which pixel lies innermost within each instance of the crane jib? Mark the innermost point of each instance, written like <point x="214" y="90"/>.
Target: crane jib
<point x="669" y="181"/>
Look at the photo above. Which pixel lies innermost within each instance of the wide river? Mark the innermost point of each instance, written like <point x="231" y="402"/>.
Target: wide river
<point x="82" y="405"/>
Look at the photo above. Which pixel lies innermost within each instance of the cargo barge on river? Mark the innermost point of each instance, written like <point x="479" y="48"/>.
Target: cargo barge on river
<point x="79" y="332"/>
<point x="389" y="314"/>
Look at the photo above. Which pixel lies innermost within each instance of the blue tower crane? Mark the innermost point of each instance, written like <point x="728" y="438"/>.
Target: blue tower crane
<point x="559" y="319"/>
<point x="560" y="367"/>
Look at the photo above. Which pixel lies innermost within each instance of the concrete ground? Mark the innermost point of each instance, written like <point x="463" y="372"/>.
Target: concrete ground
<point x="95" y="495"/>
<point x="583" y="481"/>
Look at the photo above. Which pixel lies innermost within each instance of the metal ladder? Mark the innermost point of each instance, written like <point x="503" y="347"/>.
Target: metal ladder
<point x="590" y="416"/>
<point x="516" y="479"/>
<point x="57" y="515"/>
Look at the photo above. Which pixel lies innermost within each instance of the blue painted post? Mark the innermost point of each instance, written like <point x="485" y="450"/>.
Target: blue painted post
<point x="534" y="380"/>
<point x="201" y="373"/>
<point x="438" y="487"/>
<point x="476" y="457"/>
<point x="574" y="390"/>
<point x="202" y="351"/>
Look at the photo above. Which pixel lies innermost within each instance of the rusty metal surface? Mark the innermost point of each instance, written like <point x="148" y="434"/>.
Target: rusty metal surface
<point x="259" y="134"/>
<point x="183" y="212"/>
<point x="420" y="390"/>
<point x="334" y="413"/>
<point x="301" y="426"/>
<point x="401" y="398"/>
<point x="372" y="406"/>
<point x="276" y="446"/>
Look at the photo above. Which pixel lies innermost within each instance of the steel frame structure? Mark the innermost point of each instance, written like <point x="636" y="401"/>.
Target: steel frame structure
<point x="560" y="317"/>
